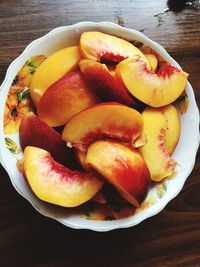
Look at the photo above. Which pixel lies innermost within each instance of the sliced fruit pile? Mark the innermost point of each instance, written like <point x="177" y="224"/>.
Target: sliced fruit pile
<point x="114" y="106"/>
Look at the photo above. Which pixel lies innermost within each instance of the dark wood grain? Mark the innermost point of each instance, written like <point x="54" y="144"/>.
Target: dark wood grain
<point x="172" y="238"/>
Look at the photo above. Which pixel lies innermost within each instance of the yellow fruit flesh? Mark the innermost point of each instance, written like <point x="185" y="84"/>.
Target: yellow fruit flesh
<point x="173" y="128"/>
<point x="154" y="151"/>
<point x="148" y="87"/>
<point x="95" y="45"/>
<point x="153" y="61"/>
<point x="121" y="166"/>
<point x="52" y="69"/>
<point x="103" y="120"/>
<point x="56" y="184"/>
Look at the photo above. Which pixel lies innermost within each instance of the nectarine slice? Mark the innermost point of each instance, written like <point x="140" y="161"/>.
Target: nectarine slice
<point x="34" y="132"/>
<point x="153" y="61"/>
<point x="154" y="151"/>
<point x="121" y="166"/>
<point x="146" y="50"/>
<point x="111" y="120"/>
<point x="52" y="69"/>
<point x="105" y="85"/>
<point x="66" y="97"/>
<point x="98" y="45"/>
<point x="154" y="89"/>
<point x="81" y="155"/>
<point x="173" y="127"/>
<point x="56" y="184"/>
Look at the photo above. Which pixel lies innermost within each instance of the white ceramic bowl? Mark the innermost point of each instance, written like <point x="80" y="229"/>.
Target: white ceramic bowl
<point x="184" y="154"/>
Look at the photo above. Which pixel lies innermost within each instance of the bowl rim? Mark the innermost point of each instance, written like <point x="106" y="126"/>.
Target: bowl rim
<point x="101" y="227"/>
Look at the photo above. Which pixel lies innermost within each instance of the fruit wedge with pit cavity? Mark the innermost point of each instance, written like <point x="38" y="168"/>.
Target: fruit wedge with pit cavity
<point x="121" y="166"/>
<point x="105" y="85"/>
<point x="154" y="151"/>
<point x="154" y="89"/>
<point x="56" y="184"/>
<point x="52" y="69"/>
<point x="111" y="120"/>
<point x="98" y="46"/>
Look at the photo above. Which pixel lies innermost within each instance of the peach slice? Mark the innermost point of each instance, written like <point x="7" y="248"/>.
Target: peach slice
<point x="98" y="46"/>
<point x="147" y="50"/>
<point x="105" y="85"/>
<point x="121" y="166"/>
<point x="56" y="184"/>
<point x="34" y="132"/>
<point x="81" y="155"/>
<point x="52" y="69"/>
<point x="154" y="89"/>
<point x="153" y="61"/>
<point x="66" y="97"/>
<point x="173" y="128"/>
<point x="111" y="120"/>
<point x="154" y="151"/>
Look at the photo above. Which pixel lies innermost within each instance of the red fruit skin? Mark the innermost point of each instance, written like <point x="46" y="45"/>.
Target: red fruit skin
<point x="137" y="189"/>
<point x="65" y="98"/>
<point x="34" y="132"/>
<point x="123" y="167"/>
<point x="106" y="120"/>
<point x="106" y="86"/>
<point x="166" y="70"/>
<point x="54" y="183"/>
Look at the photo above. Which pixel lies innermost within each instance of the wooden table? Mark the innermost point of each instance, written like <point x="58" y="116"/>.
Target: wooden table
<point x="171" y="238"/>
